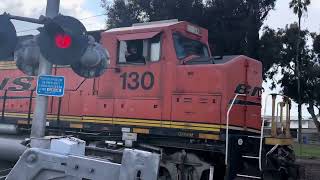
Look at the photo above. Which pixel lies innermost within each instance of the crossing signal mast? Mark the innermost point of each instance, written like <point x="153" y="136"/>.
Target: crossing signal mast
<point x="63" y="40"/>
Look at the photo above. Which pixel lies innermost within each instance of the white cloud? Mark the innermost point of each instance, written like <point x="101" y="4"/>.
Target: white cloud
<point x="33" y="8"/>
<point x="283" y="15"/>
<point x="315" y="4"/>
<point x="28" y="8"/>
<point x="75" y="8"/>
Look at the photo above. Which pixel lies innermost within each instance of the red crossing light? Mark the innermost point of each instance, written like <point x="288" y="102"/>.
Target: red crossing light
<point x="63" y="41"/>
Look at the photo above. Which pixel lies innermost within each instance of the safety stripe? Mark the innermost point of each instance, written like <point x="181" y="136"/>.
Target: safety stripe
<point x="8" y="68"/>
<point x="10" y="65"/>
<point x="146" y="123"/>
<point x="7" y="62"/>
<point x="138" y="122"/>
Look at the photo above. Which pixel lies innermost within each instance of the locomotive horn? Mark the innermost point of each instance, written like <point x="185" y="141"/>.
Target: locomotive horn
<point x="94" y="61"/>
<point x="27" y="55"/>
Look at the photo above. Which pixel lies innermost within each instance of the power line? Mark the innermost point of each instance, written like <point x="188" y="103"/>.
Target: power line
<point x="90" y="17"/>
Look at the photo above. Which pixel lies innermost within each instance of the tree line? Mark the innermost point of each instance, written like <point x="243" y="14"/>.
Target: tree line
<point x="235" y="27"/>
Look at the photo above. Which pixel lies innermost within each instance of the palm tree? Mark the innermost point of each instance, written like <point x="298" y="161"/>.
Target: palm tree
<point x="299" y="7"/>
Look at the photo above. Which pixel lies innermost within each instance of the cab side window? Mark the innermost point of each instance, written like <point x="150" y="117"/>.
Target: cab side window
<point x="155" y="49"/>
<point x="140" y="51"/>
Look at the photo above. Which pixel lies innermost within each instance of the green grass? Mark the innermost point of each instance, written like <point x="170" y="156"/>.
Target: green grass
<point x="307" y="151"/>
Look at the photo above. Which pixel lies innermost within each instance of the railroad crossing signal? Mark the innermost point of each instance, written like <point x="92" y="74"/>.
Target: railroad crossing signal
<point x="63" y="40"/>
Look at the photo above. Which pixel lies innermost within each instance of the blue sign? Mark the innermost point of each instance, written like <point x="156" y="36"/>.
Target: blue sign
<point x="48" y="85"/>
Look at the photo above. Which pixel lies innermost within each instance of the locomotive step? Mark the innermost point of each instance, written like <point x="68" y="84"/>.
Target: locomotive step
<point x="256" y="137"/>
<point x="250" y="157"/>
<point x="250" y="166"/>
<point x="247" y="176"/>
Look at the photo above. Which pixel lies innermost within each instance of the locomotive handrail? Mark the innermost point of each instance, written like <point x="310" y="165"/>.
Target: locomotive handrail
<point x="30" y="106"/>
<point x="262" y="126"/>
<point x="262" y="133"/>
<point x="4" y="104"/>
<point x="5" y="98"/>
<point x="227" y="126"/>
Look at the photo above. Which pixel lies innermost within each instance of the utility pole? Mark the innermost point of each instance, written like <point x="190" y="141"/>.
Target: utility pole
<point x="298" y="79"/>
<point x="45" y="68"/>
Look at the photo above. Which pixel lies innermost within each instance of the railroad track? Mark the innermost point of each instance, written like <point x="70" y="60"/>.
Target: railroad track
<point x="4" y="173"/>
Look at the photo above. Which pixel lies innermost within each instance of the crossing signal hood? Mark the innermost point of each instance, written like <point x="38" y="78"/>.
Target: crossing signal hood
<point x="8" y="38"/>
<point x="94" y="61"/>
<point x="63" y="40"/>
<point x="27" y="56"/>
<point x="25" y="51"/>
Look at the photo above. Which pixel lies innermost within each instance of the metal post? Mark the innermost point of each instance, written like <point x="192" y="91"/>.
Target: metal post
<point x="288" y="134"/>
<point x="273" y="121"/>
<point x="211" y="173"/>
<point x="4" y="104"/>
<point x="281" y="117"/>
<point x="30" y="106"/>
<point x="58" y="116"/>
<point x="262" y="132"/>
<point x="45" y="68"/>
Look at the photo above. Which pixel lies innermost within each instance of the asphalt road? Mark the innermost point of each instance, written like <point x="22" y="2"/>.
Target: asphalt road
<point x="309" y="169"/>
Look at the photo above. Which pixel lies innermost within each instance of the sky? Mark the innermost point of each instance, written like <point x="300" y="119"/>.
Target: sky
<point x="86" y="9"/>
<point x="279" y="18"/>
<point x="282" y="15"/>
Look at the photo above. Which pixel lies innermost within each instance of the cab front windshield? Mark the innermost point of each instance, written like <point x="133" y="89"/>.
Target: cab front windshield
<point x="186" y="47"/>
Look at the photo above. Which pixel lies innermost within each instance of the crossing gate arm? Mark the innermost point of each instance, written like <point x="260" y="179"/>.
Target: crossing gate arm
<point x="39" y="164"/>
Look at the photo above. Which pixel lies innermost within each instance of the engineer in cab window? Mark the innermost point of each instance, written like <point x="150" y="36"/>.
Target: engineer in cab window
<point x="133" y="56"/>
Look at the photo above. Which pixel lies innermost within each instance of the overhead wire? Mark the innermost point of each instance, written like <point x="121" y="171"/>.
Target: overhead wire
<point x="94" y="16"/>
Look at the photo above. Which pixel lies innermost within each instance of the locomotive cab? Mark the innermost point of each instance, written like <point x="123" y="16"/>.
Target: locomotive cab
<point x="163" y="73"/>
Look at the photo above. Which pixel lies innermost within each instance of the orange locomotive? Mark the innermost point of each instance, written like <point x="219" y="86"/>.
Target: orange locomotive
<point x="162" y="90"/>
